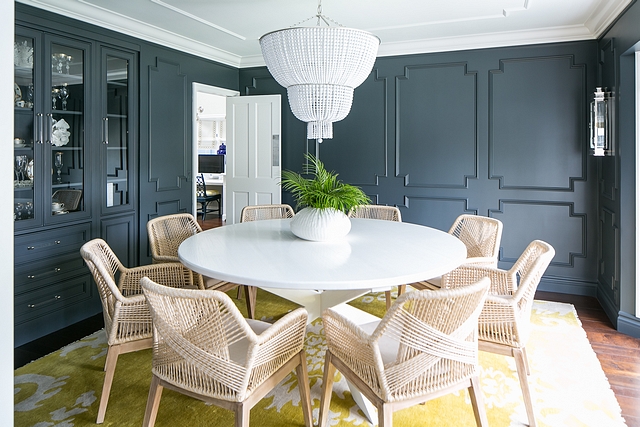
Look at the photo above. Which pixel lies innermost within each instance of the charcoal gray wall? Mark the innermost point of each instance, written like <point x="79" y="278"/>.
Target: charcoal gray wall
<point x="495" y="132"/>
<point x="616" y="175"/>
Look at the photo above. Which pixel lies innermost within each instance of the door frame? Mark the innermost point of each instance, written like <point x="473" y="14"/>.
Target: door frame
<point x="213" y="90"/>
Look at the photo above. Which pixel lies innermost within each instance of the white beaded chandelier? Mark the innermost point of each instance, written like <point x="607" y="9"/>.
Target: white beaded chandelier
<point x="320" y="66"/>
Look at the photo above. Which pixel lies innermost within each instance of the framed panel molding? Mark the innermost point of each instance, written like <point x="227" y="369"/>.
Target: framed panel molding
<point x="538" y="132"/>
<point x="435" y="212"/>
<point x="359" y="149"/>
<point x="436" y="125"/>
<point x="169" y="143"/>
<point x="608" y="252"/>
<point x="553" y="222"/>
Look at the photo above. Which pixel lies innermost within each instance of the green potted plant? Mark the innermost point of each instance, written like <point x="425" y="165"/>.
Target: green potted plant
<point x="325" y="201"/>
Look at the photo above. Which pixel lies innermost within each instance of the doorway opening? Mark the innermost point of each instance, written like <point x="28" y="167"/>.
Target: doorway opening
<point x="209" y="138"/>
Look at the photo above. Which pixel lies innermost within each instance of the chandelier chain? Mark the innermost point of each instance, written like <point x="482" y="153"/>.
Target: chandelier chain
<point x="320" y="18"/>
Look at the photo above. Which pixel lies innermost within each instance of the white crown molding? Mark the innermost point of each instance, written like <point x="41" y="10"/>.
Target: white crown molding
<point x="601" y="18"/>
<point x="106" y="18"/>
<point x="100" y="16"/>
<point x="484" y="41"/>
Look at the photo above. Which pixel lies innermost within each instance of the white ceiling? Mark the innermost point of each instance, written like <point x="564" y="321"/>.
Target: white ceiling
<point x="227" y="31"/>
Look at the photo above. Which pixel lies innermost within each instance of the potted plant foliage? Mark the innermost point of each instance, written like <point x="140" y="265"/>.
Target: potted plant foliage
<point x="325" y="201"/>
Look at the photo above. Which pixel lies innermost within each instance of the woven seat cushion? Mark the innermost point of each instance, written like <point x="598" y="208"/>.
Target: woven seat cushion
<point x="388" y="346"/>
<point x="212" y="192"/>
<point x="238" y="350"/>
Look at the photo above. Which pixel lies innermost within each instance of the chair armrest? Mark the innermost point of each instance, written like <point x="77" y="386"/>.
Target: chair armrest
<point x="483" y="261"/>
<point x="351" y="344"/>
<point x="158" y="259"/>
<point x="284" y="337"/>
<point x="502" y="281"/>
<point x="171" y="274"/>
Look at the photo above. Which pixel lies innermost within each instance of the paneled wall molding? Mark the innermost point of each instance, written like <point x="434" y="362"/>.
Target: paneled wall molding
<point x="568" y="286"/>
<point x="539" y="131"/>
<point x="608" y="261"/>
<point x="442" y="137"/>
<point x="366" y="143"/>
<point x="528" y="220"/>
<point x="169" y="148"/>
<point x="436" y="212"/>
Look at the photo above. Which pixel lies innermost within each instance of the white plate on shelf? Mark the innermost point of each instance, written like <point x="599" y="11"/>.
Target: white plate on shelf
<point x="59" y="212"/>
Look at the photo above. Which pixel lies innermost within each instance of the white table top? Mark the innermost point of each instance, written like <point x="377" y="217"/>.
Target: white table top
<point x="375" y="254"/>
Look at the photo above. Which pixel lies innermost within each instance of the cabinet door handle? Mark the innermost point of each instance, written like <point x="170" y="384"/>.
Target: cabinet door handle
<point x="39" y="128"/>
<point x="105" y="130"/>
<point x="45" y="274"/>
<point x="50" y="127"/>
<point x="49" y="301"/>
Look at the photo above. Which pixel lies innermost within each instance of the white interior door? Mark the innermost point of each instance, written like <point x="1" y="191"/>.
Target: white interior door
<point x="253" y="153"/>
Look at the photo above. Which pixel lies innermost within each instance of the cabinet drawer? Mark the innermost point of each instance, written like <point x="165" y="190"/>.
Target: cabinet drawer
<point x="41" y="273"/>
<point x="49" y="243"/>
<point x="54" y="297"/>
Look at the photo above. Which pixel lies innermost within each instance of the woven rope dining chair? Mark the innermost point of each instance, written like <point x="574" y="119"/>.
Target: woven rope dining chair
<point x="204" y="348"/>
<point x="260" y="212"/>
<point x="127" y="320"/>
<point x="481" y="235"/>
<point x="505" y="322"/>
<point x="387" y="213"/>
<point x="167" y="232"/>
<point x="424" y="347"/>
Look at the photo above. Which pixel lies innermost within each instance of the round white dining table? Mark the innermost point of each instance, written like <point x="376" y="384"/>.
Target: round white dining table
<point x="375" y="255"/>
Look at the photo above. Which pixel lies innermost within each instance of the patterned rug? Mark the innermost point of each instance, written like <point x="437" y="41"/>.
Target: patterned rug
<point x="568" y="385"/>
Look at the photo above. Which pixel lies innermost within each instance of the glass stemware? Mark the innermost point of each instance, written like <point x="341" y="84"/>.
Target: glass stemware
<point x="21" y="167"/>
<point x="58" y="164"/>
<point x="63" y="95"/>
<point x="54" y="96"/>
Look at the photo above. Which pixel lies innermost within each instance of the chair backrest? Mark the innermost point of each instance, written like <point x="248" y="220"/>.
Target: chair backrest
<point x="388" y="213"/>
<point x="193" y="325"/>
<point x="435" y="333"/>
<point x="70" y="198"/>
<point x="528" y="270"/>
<point x="260" y="212"/>
<point x="481" y="235"/>
<point x="167" y="232"/>
<point x="201" y="186"/>
<point x="104" y="266"/>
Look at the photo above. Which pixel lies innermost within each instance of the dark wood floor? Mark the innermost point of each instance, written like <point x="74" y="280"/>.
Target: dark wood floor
<point x="619" y="354"/>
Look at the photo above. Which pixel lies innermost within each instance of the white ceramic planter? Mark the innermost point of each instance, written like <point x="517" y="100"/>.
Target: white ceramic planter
<point x="320" y="225"/>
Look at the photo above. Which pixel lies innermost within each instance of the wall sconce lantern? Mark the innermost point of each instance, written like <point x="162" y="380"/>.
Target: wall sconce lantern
<point x="601" y="138"/>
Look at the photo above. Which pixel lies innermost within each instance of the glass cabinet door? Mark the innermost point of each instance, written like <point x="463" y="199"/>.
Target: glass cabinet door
<point x="27" y="137"/>
<point x="65" y="129"/>
<point x="117" y="132"/>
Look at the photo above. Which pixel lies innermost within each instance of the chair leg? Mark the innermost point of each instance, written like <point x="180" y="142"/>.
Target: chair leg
<point x="387" y="298"/>
<point x="303" y="386"/>
<point x="153" y="401"/>
<point x="242" y="415"/>
<point x="251" y="293"/>
<point x="477" y="402"/>
<point x="327" y="388"/>
<point x="385" y="416"/>
<point x="526" y="360"/>
<point x="204" y="210"/>
<point x="110" y="369"/>
<point x="524" y="384"/>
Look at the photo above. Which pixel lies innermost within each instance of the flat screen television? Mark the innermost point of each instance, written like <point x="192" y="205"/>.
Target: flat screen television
<point x="211" y="163"/>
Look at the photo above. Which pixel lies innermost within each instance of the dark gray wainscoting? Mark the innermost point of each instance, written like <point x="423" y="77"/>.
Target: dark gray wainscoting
<point x="495" y="132"/>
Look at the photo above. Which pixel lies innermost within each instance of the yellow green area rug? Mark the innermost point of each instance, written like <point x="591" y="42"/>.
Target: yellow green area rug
<point x="568" y="385"/>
